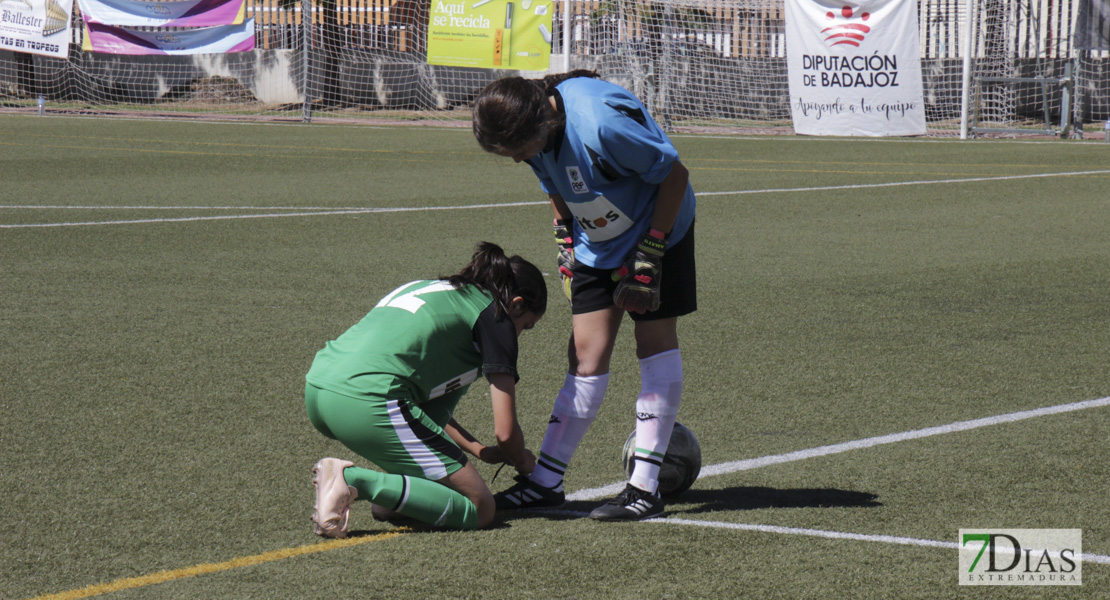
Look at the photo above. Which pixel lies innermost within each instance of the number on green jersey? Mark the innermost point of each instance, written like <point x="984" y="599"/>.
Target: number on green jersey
<point x="410" y="300"/>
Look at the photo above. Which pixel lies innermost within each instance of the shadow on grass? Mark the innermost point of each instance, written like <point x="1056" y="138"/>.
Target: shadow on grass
<point x="695" y="501"/>
<point x="501" y="521"/>
<point x="690" y="502"/>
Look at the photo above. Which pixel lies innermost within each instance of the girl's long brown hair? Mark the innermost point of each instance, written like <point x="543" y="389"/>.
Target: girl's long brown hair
<point x="513" y="111"/>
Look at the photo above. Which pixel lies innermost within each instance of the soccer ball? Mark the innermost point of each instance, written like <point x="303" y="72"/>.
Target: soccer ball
<point x="681" y="464"/>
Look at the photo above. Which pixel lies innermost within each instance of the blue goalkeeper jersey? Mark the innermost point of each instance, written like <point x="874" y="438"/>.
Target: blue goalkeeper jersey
<point x="607" y="165"/>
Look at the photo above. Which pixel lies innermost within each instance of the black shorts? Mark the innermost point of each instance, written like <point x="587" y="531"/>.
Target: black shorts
<point x="592" y="289"/>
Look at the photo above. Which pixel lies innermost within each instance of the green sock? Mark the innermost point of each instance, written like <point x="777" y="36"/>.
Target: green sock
<point x="413" y="497"/>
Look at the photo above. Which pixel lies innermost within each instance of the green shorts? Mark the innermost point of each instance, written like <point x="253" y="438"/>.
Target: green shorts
<point x="397" y="435"/>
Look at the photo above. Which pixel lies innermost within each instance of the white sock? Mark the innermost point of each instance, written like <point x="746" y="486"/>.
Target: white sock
<point x="575" y="409"/>
<point x="656" y="412"/>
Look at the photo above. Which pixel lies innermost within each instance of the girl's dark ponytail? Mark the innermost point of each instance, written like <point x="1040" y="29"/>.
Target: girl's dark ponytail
<point x="505" y="278"/>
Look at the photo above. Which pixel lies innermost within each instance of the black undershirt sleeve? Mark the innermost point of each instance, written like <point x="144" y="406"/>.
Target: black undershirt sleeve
<point x="496" y="339"/>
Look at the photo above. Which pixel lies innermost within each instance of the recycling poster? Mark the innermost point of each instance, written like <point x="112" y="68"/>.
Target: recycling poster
<point x="490" y="34"/>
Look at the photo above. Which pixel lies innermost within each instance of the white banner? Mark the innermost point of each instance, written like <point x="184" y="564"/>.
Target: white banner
<point x="35" y="26"/>
<point x="854" y="67"/>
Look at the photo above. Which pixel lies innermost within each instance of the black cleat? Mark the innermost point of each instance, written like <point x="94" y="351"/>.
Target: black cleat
<point x="633" y="504"/>
<point x="526" y="494"/>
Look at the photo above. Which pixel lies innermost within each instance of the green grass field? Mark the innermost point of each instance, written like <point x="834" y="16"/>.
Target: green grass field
<point x="165" y="285"/>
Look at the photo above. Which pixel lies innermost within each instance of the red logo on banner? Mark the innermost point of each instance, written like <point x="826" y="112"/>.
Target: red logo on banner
<point x="846" y="32"/>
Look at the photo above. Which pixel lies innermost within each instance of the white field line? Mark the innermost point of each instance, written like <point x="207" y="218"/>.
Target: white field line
<point x="193" y="207"/>
<point x="315" y="213"/>
<point x="774" y="459"/>
<point x="904" y="183"/>
<point x="355" y="210"/>
<point x="838" y="535"/>
<point x="755" y="463"/>
<point x="821" y="533"/>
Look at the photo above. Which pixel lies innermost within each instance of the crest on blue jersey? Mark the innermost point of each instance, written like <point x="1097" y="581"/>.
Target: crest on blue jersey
<point x="577" y="184"/>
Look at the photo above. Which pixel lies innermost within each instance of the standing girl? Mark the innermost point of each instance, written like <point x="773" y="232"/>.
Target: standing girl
<point x="388" y="386"/>
<point x="624" y="222"/>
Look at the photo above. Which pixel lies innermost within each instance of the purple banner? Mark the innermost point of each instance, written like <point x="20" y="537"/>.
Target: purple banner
<point x="152" y="13"/>
<point x="207" y="40"/>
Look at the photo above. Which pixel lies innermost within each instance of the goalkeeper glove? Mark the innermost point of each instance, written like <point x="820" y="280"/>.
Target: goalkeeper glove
<point x="566" y="253"/>
<point x="638" y="290"/>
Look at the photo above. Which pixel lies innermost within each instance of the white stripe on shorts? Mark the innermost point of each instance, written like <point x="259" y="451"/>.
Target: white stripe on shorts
<point x="425" y="458"/>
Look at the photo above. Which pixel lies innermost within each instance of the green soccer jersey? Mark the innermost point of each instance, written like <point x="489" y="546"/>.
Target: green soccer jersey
<point x="420" y="336"/>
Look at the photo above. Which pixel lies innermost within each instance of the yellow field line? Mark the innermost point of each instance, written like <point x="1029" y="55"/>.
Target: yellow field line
<point x="474" y="153"/>
<point x="241" y="145"/>
<point x="866" y="163"/>
<point x="190" y="152"/>
<point x="206" y="568"/>
<point x="832" y="171"/>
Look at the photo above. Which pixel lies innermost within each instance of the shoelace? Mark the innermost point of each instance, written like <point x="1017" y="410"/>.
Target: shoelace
<point x="629" y="495"/>
<point x="496" y="473"/>
<point x="624" y="498"/>
<point x="520" y="487"/>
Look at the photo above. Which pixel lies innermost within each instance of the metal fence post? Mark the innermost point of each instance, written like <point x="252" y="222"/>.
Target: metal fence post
<point x="666" y="65"/>
<point x="306" y="71"/>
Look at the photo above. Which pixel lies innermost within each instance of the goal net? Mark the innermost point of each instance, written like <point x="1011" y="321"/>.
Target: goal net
<point x="699" y="65"/>
<point x="1028" y="72"/>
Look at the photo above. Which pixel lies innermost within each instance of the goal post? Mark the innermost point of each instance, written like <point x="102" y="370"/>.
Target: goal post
<point x="1018" y="68"/>
<point x="965" y="93"/>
